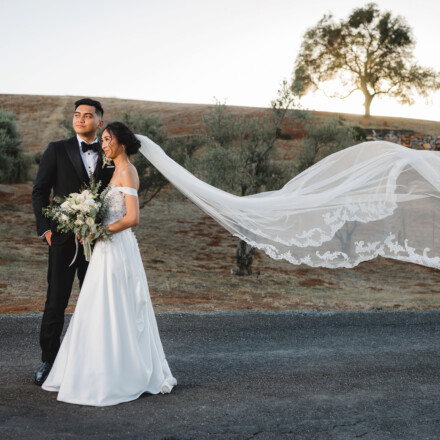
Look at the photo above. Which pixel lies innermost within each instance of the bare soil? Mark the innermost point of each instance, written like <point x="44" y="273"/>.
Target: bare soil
<point x="188" y="259"/>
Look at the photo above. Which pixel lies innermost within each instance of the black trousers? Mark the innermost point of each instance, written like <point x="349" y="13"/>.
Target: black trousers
<point x="60" y="280"/>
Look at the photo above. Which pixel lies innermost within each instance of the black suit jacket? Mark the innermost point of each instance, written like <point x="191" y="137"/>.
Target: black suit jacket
<point x="62" y="170"/>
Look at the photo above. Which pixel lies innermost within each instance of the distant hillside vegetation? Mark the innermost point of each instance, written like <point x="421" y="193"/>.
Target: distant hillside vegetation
<point x="39" y="117"/>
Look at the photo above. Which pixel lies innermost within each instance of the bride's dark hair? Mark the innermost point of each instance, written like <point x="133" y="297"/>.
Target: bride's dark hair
<point x="124" y="136"/>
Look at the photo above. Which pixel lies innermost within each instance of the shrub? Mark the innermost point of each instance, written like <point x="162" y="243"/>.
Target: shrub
<point x="323" y="140"/>
<point x="14" y="165"/>
<point x="360" y="133"/>
<point x="284" y="136"/>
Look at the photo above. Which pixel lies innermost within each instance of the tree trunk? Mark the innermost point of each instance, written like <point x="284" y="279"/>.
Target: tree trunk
<point x="245" y="256"/>
<point x="367" y="103"/>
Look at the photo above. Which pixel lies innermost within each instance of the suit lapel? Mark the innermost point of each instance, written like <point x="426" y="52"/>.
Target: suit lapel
<point x="72" y="149"/>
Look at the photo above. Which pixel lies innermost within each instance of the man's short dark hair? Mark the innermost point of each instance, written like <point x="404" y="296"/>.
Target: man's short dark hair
<point x="92" y="103"/>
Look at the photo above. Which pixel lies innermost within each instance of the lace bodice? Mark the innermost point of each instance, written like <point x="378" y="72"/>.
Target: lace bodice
<point x="116" y="203"/>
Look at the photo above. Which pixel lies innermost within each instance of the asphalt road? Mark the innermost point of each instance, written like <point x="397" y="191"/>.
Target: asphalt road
<point x="373" y="375"/>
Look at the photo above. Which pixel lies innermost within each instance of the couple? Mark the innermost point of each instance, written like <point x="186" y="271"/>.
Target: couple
<point x="111" y="352"/>
<point x="375" y="198"/>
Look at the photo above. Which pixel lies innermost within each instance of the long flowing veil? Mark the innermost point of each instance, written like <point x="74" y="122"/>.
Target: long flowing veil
<point x="375" y="198"/>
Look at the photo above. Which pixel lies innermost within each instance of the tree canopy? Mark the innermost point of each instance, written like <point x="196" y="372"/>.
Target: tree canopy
<point x="370" y="51"/>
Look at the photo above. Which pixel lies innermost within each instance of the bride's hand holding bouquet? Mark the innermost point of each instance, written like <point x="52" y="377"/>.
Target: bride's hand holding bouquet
<point x="81" y="214"/>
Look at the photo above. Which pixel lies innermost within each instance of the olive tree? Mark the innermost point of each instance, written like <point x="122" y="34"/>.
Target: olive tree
<point x="241" y="156"/>
<point x="370" y="51"/>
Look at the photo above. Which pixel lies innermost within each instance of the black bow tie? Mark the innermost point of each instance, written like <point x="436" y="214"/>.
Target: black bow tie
<point x="86" y="147"/>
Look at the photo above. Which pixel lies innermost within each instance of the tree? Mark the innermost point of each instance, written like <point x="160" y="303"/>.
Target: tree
<point x="369" y="51"/>
<point x="14" y="166"/>
<point x="241" y="157"/>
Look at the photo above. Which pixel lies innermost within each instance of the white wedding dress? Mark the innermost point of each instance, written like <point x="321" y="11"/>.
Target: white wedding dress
<point x="111" y="352"/>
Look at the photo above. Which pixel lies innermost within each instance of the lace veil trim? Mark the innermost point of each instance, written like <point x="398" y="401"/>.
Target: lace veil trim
<point x="375" y="198"/>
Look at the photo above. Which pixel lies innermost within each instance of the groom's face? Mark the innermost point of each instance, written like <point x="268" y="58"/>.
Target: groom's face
<point x="85" y="121"/>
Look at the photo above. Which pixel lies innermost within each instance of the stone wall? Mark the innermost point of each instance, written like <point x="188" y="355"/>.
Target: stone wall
<point x="407" y="138"/>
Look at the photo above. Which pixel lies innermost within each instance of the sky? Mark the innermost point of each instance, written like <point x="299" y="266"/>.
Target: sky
<point x="190" y="51"/>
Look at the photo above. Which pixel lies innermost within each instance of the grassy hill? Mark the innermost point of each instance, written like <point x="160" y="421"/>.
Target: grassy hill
<point x="187" y="256"/>
<point x="39" y="117"/>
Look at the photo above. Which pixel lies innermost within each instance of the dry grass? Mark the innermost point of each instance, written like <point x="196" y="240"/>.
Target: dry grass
<point x="188" y="259"/>
<point x="187" y="256"/>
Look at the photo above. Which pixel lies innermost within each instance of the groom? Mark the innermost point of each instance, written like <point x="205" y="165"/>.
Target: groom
<point x="64" y="167"/>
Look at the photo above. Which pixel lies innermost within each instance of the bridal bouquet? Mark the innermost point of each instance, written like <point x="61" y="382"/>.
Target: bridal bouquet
<point x="81" y="213"/>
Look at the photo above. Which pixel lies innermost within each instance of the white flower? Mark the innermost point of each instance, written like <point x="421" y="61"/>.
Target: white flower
<point x="64" y="218"/>
<point x="84" y="208"/>
<point x="90" y="221"/>
<point x="79" y="222"/>
<point x="105" y="160"/>
<point x="80" y="199"/>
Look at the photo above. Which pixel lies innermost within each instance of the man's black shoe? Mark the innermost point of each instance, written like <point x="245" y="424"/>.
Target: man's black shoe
<point x="42" y="373"/>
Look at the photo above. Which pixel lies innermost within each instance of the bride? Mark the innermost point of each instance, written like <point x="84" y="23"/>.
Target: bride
<point x="112" y="352"/>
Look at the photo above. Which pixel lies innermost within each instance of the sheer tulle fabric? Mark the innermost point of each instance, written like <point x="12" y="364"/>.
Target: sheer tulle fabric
<point x="375" y="198"/>
<point x="112" y="351"/>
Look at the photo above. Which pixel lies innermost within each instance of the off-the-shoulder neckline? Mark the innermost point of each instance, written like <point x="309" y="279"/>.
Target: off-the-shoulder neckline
<point x="115" y="186"/>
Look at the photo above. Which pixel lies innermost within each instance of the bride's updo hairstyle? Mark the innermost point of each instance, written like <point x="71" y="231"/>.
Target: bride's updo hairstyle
<point x="124" y="136"/>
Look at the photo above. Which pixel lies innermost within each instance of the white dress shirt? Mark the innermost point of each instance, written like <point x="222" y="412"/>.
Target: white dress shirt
<point x="90" y="158"/>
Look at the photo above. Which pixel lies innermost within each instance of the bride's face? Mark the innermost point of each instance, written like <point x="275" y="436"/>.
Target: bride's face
<point x="112" y="148"/>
